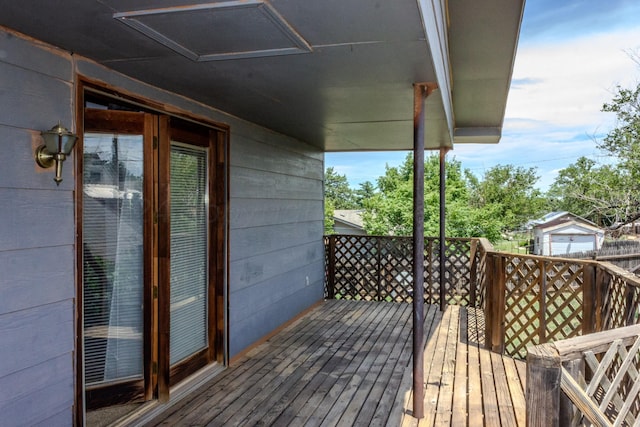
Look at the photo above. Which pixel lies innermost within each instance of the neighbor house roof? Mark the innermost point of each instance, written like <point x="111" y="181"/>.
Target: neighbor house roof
<point x="554" y="218"/>
<point x="336" y="74"/>
<point x="352" y="217"/>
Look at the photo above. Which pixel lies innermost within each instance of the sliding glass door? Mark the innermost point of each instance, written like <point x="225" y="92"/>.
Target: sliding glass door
<point x="114" y="200"/>
<point x="151" y="232"/>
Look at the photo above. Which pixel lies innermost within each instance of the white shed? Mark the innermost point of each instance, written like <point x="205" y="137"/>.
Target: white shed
<point x="564" y="233"/>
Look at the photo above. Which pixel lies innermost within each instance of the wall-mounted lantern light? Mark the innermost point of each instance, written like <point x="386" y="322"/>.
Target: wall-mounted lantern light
<point x="58" y="143"/>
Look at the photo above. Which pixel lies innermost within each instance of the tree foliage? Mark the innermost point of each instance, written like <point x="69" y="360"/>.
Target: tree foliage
<point x="336" y="189"/>
<point x="473" y="208"/>
<point x="608" y="194"/>
<point x="510" y="193"/>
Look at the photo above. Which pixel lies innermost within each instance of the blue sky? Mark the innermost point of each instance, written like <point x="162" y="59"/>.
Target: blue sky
<point x="571" y="56"/>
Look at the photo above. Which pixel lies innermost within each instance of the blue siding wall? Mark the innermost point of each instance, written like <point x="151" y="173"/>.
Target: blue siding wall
<point x="36" y="259"/>
<point x="275" y="252"/>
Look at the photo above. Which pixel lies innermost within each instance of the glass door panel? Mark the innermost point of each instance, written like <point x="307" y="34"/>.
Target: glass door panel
<point x="113" y="257"/>
<point x="189" y="251"/>
<point x="116" y="243"/>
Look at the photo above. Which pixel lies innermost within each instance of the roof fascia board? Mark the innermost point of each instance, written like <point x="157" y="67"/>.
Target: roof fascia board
<point x="577" y="224"/>
<point x="434" y="23"/>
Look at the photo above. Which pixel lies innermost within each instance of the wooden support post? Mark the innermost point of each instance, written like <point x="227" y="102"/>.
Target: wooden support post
<point x="443" y="258"/>
<point x="543" y="386"/>
<point x="573" y="367"/>
<point x="489" y="274"/>
<point x="589" y="297"/>
<point x="495" y="304"/>
<point x="429" y="281"/>
<point x="379" y="268"/>
<point x="420" y="93"/>
<point x="498" y="337"/>
<point x="473" y="272"/>
<point x="602" y="285"/>
<point x="331" y="270"/>
<point x="542" y="302"/>
<point x="419" y="96"/>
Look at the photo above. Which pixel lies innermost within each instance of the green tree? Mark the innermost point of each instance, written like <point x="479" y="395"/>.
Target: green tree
<point x="508" y="192"/>
<point x="366" y="191"/>
<point x="336" y="189"/>
<point x="390" y="211"/>
<point x="328" y="216"/>
<point x="609" y="194"/>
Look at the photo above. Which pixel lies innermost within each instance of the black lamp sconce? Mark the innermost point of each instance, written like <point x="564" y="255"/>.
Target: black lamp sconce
<point x="58" y="143"/>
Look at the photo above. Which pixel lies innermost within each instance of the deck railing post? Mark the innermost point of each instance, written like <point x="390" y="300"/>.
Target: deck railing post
<point x="603" y="304"/>
<point x="429" y="281"/>
<point x="473" y="272"/>
<point x="379" y="267"/>
<point x="495" y="304"/>
<point x="500" y="298"/>
<point x="573" y="367"/>
<point x="488" y="299"/>
<point x="331" y="268"/>
<point x="589" y="299"/>
<point x="543" y="386"/>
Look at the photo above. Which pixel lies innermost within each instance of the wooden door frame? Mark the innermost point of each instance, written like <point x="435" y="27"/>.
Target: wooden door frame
<point x="159" y="384"/>
<point x="175" y="129"/>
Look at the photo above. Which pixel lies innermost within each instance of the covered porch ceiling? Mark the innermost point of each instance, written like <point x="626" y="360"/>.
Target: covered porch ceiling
<point x="337" y="74"/>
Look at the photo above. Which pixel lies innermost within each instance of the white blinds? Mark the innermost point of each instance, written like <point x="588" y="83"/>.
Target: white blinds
<point x="189" y="242"/>
<point x="112" y="256"/>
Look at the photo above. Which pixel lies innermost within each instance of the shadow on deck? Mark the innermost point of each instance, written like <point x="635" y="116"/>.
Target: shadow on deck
<point x="349" y="363"/>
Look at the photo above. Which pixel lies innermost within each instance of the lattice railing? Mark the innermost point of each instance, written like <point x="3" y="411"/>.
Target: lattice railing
<point x="533" y="300"/>
<point x="380" y="268"/>
<point x="598" y="375"/>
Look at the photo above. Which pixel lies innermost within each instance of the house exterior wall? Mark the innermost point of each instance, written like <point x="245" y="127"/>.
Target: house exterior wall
<point x="343" y="228"/>
<point x="275" y="254"/>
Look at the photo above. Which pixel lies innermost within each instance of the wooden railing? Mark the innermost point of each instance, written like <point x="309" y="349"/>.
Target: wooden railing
<point x="379" y="268"/>
<point x="533" y="300"/>
<point x="527" y="299"/>
<point x="590" y="378"/>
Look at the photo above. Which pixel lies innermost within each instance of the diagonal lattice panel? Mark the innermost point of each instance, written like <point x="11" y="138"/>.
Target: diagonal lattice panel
<point x="522" y="302"/>
<point x="396" y="269"/>
<point x="563" y="303"/>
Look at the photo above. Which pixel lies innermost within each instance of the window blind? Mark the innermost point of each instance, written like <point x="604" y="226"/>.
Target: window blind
<point x="189" y="243"/>
<point x="112" y="224"/>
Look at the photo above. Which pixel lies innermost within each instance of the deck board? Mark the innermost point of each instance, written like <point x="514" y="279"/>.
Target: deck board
<point x="348" y="363"/>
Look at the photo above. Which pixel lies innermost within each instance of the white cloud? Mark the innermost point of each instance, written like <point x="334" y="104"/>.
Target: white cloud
<point x="570" y="80"/>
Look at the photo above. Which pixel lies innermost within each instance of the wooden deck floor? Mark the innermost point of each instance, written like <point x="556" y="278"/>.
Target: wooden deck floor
<point x="348" y="363"/>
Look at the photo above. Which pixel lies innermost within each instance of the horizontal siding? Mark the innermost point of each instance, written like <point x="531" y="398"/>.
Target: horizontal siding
<point x="251" y="328"/>
<point x="261" y="267"/>
<point x="37" y="232"/>
<point x="23" y="286"/>
<point x="34" y="336"/>
<point x="267" y="292"/>
<point x="33" y="100"/>
<point x="276" y="225"/>
<point x="36" y="219"/>
<point x="266" y="239"/>
<point x="249" y="213"/>
<point x="249" y="153"/>
<point x="33" y="56"/>
<point x="251" y="183"/>
<point x="17" y="393"/>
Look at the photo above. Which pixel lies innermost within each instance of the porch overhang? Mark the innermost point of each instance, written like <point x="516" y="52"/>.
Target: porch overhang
<point x="335" y="74"/>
